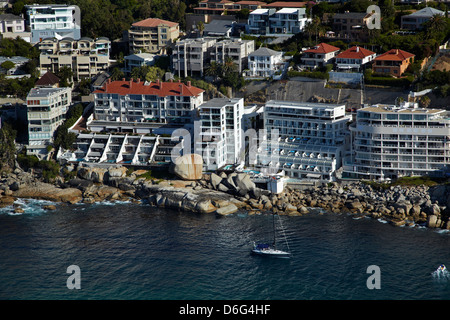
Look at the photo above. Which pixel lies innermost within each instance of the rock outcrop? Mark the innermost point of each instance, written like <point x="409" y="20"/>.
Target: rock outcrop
<point x="50" y="192"/>
<point x="224" y="194"/>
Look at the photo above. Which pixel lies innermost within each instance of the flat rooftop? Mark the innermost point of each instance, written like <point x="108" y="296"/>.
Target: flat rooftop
<point x="219" y="102"/>
<point x="396" y="109"/>
<point x="43" y="92"/>
<point x="294" y="104"/>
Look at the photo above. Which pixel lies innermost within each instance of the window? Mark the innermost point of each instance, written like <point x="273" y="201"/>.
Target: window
<point x="405" y="116"/>
<point x="392" y="116"/>
<point x="420" y="117"/>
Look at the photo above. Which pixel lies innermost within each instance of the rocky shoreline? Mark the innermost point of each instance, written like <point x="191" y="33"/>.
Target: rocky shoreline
<point x="228" y="193"/>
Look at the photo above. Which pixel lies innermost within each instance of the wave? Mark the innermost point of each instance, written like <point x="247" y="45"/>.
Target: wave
<point x="441" y="275"/>
<point x="112" y="203"/>
<point x="27" y="206"/>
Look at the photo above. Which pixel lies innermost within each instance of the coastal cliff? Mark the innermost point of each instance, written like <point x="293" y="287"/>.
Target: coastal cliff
<point x="226" y="194"/>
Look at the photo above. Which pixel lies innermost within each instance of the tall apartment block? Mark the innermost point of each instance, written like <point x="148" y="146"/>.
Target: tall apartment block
<point x="86" y="57"/>
<point x="220" y="136"/>
<point x="391" y="142"/>
<point x="139" y="101"/>
<point x="190" y="56"/>
<point x="152" y="35"/>
<point x="306" y="140"/>
<point x="46" y="110"/>
<point x="53" y="21"/>
<point x="238" y="50"/>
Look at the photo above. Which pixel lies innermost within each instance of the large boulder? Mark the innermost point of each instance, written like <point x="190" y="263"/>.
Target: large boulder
<point x="83" y="185"/>
<point x="189" y="167"/>
<point x="215" y="180"/>
<point x="432" y="221"/>
<point x="205" y="206"/>
<point x="229" y="209"/>
<point x="244" y="183"/>
<point x="117" y="172"/>
<point x="94" y="174"/>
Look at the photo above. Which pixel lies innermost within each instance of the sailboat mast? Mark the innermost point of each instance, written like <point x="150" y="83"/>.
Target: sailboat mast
<point x="274" y="234"/>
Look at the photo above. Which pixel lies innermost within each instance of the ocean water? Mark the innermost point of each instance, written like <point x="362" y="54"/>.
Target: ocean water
<point x="134" y="251"/>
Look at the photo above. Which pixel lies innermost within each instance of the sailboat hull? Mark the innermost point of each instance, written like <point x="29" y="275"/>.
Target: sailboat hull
<point x="270" y="252"/>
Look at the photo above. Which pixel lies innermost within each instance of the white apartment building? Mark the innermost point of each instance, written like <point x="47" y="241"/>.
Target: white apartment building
<point x="137" y="101"/>
<point x="46" y="110"/>
<point x="86" y="57"/>
<point x="12" y="26"/>
<point x="138" y="60"/>
<point x="265" y="62"/>
<point x="391" y="142"/>
<point x="190" y="56"/>
<point x="258" y="21"/>
<point x="306" y="140"/>
<point x="220" y="136"/>
<point x="54" y="20"/>
<point x="10" y="23"/>
<point x="120" y="148"/>
<point x="288" y="21"/>
<point x="236" y="49"/>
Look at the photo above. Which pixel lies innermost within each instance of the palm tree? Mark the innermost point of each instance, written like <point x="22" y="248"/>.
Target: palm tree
<point x="228" y="65"/>
<point x="117" y="74"/>
<point x="437" y="24"/>
<point x="214" y="70"/>
<point x="424" y="101"/>
<point x="314" y="27"/>
<point x="200" y="28"/>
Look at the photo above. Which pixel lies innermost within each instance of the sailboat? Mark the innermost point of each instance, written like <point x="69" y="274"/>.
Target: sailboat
<point x="266" y="249"/>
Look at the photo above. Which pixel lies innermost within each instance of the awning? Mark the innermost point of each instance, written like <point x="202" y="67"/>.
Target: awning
<point x="313" y="176"/>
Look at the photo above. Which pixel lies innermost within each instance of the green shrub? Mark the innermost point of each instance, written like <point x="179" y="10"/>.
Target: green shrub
<point x="309" y="74"/>
<point x="50" y="170"/>
<point x="26" y="162"/>
<point x="383" y="80"/>
<point x="147" y="175"/>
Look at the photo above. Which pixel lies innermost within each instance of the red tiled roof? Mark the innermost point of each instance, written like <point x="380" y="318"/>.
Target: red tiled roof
<point x="355" y="53"/>
<point x="161" y="89"/>
<point x="154" y="22"/>
<point x="323" y="48"/>
<point x="285" y="4"/>
<point x="395" y="55"/>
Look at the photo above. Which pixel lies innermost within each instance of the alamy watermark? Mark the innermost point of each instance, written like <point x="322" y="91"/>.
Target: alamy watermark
<point x="250" y="146"/>
<point x="374" y="280"/>
<point x="374" y="21"/>
<point x="74" y="281"/>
